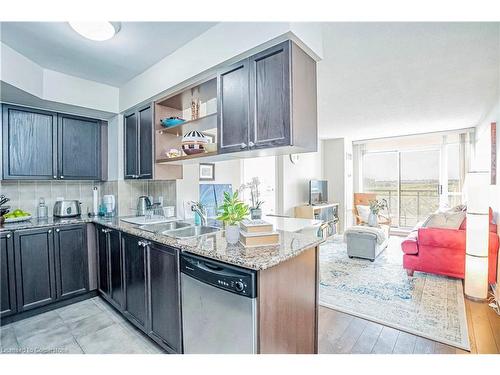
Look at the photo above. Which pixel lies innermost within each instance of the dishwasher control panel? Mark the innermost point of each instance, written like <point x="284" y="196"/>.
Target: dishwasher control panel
<point x="234" y="279"/>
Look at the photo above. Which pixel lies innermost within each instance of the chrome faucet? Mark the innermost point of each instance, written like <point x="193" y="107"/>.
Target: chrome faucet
<point x="200" y="210"/>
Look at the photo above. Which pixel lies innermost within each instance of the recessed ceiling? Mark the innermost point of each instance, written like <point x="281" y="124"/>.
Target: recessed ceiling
<point x="138" y="45"/>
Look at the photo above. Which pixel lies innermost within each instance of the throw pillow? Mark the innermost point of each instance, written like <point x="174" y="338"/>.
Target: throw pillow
<point x="363" y="212"/>
<point x="449" y="220"/>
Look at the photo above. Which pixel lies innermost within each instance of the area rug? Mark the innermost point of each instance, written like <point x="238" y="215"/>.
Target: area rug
<point x="425" y="305"/>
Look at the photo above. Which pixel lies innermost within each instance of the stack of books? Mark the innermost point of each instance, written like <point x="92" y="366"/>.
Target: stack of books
<point x="258" y="233"/>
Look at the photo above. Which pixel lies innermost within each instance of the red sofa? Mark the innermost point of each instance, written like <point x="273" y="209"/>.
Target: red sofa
<point x="442" y="251"/>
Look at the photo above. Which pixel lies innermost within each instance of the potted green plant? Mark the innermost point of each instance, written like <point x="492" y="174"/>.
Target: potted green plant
<point x="231" y="213"/>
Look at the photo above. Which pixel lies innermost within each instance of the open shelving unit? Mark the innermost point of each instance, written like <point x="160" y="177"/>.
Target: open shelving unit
<point x="179" y="105"/>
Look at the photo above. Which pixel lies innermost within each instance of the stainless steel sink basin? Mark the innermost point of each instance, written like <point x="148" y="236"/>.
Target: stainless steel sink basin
<point x="164" y="227"/>
<point x="191" y="231"/>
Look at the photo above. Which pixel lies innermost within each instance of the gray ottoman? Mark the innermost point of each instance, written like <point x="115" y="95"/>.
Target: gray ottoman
<point x="366" y="242"/>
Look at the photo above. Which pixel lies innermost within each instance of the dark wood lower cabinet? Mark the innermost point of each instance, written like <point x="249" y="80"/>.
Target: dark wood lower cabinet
<point x="8" y="305"/>
<point x="71" y="260"/>
<point x="102" y="261"/>
<point x="164" y="297"/>
<point x="134" y="269"/>
<point x="110" y="265"/>
<point x="35" y="268"/>
<point x="115" y="268"/>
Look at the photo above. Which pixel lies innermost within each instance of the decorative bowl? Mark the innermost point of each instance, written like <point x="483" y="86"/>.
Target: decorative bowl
<point x="172" y="121"/>
<point x="192" y="148"/>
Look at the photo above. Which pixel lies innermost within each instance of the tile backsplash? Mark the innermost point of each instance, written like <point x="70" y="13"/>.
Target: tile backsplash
<point x="26" y="194"/>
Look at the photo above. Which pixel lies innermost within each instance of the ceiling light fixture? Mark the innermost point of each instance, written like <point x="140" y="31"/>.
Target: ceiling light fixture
<point x="99" y="31"/>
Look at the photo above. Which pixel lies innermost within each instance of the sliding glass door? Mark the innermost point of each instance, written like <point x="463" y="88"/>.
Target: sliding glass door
<point x="419" y="185"/>
<point x="381" y="176"/>
<point x="415" y="182"/>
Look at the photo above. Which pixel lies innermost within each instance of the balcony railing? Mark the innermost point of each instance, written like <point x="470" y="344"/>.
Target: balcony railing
<point x="416" y="204"/>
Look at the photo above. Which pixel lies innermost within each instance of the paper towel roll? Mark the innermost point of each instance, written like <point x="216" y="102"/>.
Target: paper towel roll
<point x="95" y="201"/>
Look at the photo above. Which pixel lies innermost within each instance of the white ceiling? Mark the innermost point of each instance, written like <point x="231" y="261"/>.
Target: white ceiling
<point x="138" y="45"/>
<point x="386" y="79"/>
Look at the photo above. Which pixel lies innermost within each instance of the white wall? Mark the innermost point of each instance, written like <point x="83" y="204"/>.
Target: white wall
<point x="220" y="43"/>
<point x="293" y="180"/>
<point x="338" y="171"/>
<point x="188" y="189"/>
<point x="19" y="71"/>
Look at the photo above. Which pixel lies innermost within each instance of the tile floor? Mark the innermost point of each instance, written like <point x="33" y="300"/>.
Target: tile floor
<point x="90" y="326"/>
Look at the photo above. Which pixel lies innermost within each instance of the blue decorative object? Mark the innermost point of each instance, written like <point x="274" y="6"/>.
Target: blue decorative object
<point x="172" y="121"/>
<point x="212" y="196"/>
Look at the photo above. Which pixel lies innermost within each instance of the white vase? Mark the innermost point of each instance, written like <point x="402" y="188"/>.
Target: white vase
<point x="232" y="234"/>
<point x="372" y="220"/>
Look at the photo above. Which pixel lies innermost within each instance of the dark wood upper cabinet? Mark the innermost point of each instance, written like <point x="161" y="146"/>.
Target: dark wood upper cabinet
<point x="139" y="144"/>
<point x="268" y="101"/>
<point x="35" y="268"/>
<point x="43" y="145"/>
<point x="29" y="143"/>
<point x="233" y="108"/>
<point x="135" y="286"/>
<point x="270" y="97"/>
<point x="165" y="315"/>
<point x="71" y="260"/>
<point x="79" y="148"/>
<point x="8" y="304"/>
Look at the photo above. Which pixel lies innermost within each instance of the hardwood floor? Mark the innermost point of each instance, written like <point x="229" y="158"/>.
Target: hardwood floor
<point x="344" y="333"/>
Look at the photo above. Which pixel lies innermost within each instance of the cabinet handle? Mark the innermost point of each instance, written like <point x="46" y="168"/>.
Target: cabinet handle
<point x="55" y="177"/>
<point x="251" y="144"/>
<point x="8" y="236"/>
<point x="49" y="231"/>
<point x="58" y="230"/>
<point x="62" y="177"/>
<point x="243" y="145"/>
<point x="140" y="243"/>
<point x="146" y="243"/>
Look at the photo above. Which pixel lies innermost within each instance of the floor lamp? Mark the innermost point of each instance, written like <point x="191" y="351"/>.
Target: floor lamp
<point x="477" y="235"/>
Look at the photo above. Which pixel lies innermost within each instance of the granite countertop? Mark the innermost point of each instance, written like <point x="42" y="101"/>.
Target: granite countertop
<point x="213" y="245"/>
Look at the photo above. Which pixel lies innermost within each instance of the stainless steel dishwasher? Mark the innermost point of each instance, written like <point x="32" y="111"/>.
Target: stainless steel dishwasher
<point x="218" y="307"/>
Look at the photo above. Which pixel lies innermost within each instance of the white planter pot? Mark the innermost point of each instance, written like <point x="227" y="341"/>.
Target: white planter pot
<point x="232" y="234"/>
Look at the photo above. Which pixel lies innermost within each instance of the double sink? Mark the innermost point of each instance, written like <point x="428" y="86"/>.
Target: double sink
<point x="179" y="229"/>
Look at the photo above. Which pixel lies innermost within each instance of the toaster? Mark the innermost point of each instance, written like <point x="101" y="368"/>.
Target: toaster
<point x="67" y="208"/>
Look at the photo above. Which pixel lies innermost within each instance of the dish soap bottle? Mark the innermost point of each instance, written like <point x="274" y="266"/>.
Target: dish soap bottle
<point x="42" y="209"/>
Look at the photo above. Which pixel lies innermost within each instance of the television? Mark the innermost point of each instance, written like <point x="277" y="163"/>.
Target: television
<point x="318" y="192"/>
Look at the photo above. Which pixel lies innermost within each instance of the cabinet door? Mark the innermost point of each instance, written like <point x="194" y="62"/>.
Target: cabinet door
<point x="233" y="108"/>
<point x="72" y="272"/>
<point x="131" y="146"/>
<point x="103" y="261"/>
<point x="79" y="148"/>
<point x="7" y="279"/>
<point x="29" y="147"/>
<point x="35" y="271"/>
<point x="165" y="318"/>
<point x="135" y="280"/>
<point x="115" y="268"/>
<point x="145" y="121"/>
<point x="270" y="97"/>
